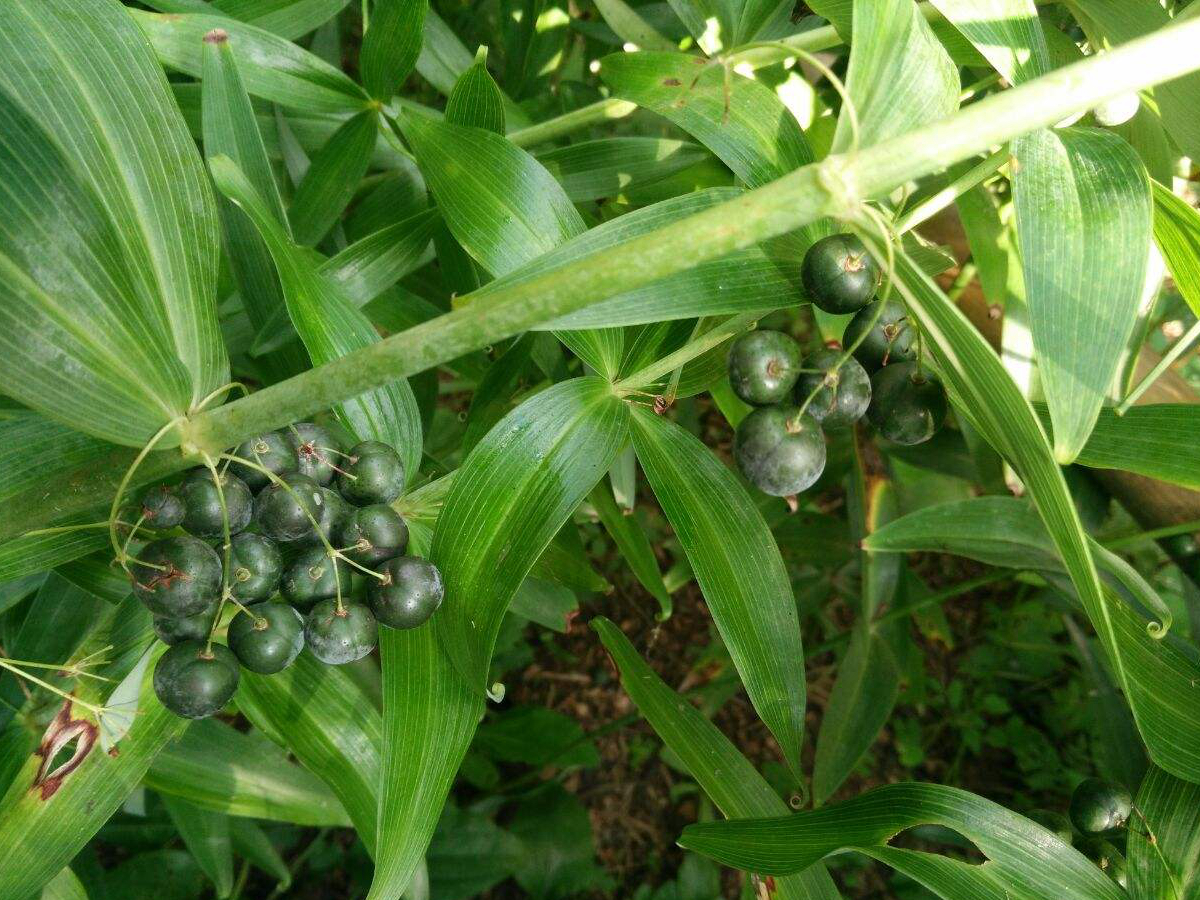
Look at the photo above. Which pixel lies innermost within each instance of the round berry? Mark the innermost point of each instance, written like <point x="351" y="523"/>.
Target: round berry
<point x="162" y="507"/>
<point x="411" y="593"/>
<point x="1100" y="806"/>
<point x="202" y="500"/>
<point x="1108" y="858"/>
<point x="171" y="630"/>
<point x="907" y="406"/>
<point x="372" y="473"/>
<point x="271" y="451"/>
<point x="890" y="340"/>
<point x="285" y="510"/>
<point x="266" y="637"/>
<point x="839" y="275"/>
<point x="193" y="683"/>
<point x="763" y="367"/>
<point x="780" y="451"/>
<point x="314" y="575"/>
<point x="177" y="576"/>
<point x="338" y="636"/>
<point x="255" y="565"/>
<point x="317" y="450"/>
<point x="842" y="396"/>
<point x="332" y="514"/>
<point x="372" y="534"/>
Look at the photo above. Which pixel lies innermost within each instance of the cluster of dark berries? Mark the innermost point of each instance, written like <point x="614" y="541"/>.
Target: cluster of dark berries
<point x="1099" y="811"/>
<point x="780" y="446"/>
<point x="304" y="518"/>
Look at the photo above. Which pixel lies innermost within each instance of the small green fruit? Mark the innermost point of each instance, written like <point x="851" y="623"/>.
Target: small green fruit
<point x="1100" y="806"/>
<point x="907" y="406"/>
<point x="763" y="367"/>
<point x="842" y="397"/>
<point x="839" y="275"/>
<point x="255" y="565"/>
<point x="272" y="451"/>
<point x="1108" y="858"/>
<point x="340" y="636"/>
<point x="172" y="631"/>
<point x="162" y="507"/>
<point x="372" y="473"/>
<point x="267" y="637"/>
<point x="889" y="340"/>
<point x="411" y="593"/>
<point x="318" y="451"/>
<point x="182" y="576"/>
<point x="202" y="500"/>
<point x="373" y="534"/>
<point x="313" y="575"/>
<point x="192" y="683"/>
<point x="779" y="451"/>
<point x="284" y="515"/>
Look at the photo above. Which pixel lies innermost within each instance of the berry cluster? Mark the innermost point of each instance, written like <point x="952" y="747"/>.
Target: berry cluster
<point x="780" y="446"/>
<point x="297" y="516"/>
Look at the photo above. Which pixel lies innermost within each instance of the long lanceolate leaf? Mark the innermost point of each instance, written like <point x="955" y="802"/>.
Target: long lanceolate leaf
<point x="1177" y="233"/>
<point x="724" y="773"/>
<point x="1084" y="220"/>
<point x="738" y="566"/>
<point x="508" y="500"/>
<point x="391" y="45"/>
<point x="108" y="238"/>
<point x="329" y="325"/>
<point x="1007" y="32"/>
<point x="1025" y="861"/>
<point x="1164" y="846"/>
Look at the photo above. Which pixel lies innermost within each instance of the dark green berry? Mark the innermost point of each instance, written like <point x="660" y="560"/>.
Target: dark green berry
<point x="202" y="500"/>
<point x="271" y="451"/>
<point x="332" y="514"/>
<point x="763" y="367"/>
<point x="255" y="565"/>
<point x="337" y="636"/>
<point x="907" y="406"/>
<point x="193" y="683"/>
<point x="1100" y="806"/>
<point x="318" y="451"/>
<point x="1108" y="858"/>
<point x="162" y="507"/>
<point x="314" y="575"/>
<point x="372" y="534"/>
<point x="171" y="630"/>
<point x="780" y="451"/>
<point x="285" y="511"/>
<point x="839" y="275"/>
<point x="890" y="340"/>
<point x="372" y="473"/>
<point x="842" y="396"/>
<point x="267" y="637"/>
<point x="181" y="576"/>
<point x="411" y="592"/>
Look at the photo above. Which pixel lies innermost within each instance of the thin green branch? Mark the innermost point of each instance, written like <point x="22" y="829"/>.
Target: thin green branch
<point x="929" y="208"/>
<point x="685" y="354"/>
<point x="1177" y="350"/>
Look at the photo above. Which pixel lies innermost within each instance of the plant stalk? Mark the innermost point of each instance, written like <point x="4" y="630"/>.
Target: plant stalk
<point x="1177" y="350"/>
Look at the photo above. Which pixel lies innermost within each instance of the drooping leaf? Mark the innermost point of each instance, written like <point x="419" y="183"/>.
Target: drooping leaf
<point x="252" y="844"/>
<point x="1084" y="220"/>
<point x="1177" y="233"/>
<point x="631" y="27"/>
<point x="108" y="238"/>
<point x="738" y="567"/>
<point x="1164" y="846"/>
<point x="206" y="835"/>
<point x="391" y="45"/>
<point x="633" y="545"/>
<point x="734" y="785"/>
<point x="330" y="326"/>
<point x="1025" y="861"/>
<point x="1007" y="32"/>
<point x="332" y="179"/>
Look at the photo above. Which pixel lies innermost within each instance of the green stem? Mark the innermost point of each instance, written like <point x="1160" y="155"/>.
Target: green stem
<point x="559" y="126"/>
<point x="835" y="186"/>
<point x="1132" y="540"/>
<point x="1177" y="350"/>
<point x="685" y="354"/>
<point x="33" y="679"/>
<point x="929" y="208"/>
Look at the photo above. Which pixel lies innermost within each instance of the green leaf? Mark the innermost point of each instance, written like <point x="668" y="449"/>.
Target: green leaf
<point x="1177" y="233"/>
<point x="476" y="99"/>
<point x="594" y="170"/>
<point x="332" y="179"/>
<point x="630" y="26"/>
<point x="273" y="68"/>
<point x="1166" y="865"/>
<point x="219" y="768"/>
<point x="289" y="19"/>
<point x="329" y="725"/>
<point x="721" y="770"/>
<point x="206" y="835"/>
<point x="1007" y="32"/>
<point x="251" y="843"/>
<point x="36" y="552"/>
<point x="64" y="886"/>
<point x="1025" y="861"/>
<point x="757" y="136"/>
<point x="45" y="821"/>
<point x="34" y="448"/>
<point x="738" y="567"/>
<point x="1083" y="217"/>
<point x="899" y="77"/>
<point x="391" y="45"/>
<point x="330" y="326"/>
<point x="108" y="241"/>
<point x="633" y="545"/>
<point x="536" y="736"/>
